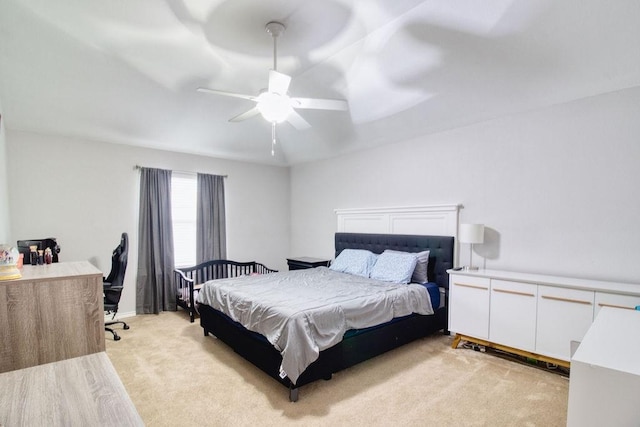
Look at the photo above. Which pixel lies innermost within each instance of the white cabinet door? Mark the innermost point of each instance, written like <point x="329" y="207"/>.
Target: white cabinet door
<point x="469" y="306"/>
<point x="512" y="321"/>
<point x="605" y="299"/>
<point x="564" y="315"/>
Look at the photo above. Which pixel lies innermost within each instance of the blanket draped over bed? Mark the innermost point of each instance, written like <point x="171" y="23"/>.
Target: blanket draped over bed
<point x="306" y="311"/>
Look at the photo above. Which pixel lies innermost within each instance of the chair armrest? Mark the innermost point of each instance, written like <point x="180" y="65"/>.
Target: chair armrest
<point x="109" y="287"/>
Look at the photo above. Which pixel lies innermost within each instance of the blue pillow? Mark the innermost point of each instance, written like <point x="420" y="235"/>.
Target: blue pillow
<point x="354" y="261"/>
<point x="420" y="274"/>
<point x="394" y="267"/>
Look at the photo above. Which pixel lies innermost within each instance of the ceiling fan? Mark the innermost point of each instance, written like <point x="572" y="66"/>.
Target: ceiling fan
<point x="274" y="103"/>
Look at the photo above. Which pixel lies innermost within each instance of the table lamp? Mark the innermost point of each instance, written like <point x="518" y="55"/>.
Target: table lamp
<point x="471" y="234"/>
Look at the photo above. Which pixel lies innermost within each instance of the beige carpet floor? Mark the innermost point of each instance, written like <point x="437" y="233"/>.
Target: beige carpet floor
<point x="177" y="376"/>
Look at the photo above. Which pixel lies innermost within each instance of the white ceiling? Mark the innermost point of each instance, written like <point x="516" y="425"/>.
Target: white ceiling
<point x="127" y="71"/>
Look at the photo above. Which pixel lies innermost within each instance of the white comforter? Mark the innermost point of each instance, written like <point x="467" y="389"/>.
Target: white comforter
<point x="305" y="311"/>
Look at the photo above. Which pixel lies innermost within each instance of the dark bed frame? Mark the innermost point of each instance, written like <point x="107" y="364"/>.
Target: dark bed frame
<point x="356" y="346"/>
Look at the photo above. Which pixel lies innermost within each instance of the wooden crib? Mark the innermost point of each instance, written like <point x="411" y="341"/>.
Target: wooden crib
<point x="190" y="279"/>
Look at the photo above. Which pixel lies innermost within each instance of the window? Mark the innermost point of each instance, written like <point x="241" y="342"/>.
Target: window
<point x="184" y="189"/>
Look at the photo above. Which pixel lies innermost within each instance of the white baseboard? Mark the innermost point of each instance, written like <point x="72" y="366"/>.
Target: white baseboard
<point x="120" y="315"/>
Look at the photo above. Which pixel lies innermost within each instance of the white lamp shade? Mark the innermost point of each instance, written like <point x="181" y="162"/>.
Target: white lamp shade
<point x="471" y="233"/>
<point x="275" y="108"/>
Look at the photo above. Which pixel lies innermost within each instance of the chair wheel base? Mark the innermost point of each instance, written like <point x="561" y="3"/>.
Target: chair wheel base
<point x="116" y="337"/>
<point x="125" y="326"/>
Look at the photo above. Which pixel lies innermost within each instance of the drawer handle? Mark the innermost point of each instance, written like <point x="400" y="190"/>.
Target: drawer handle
<point x="601" y="304"/>
<point x="505" y="291"/>
<point x="566" y="300"/>
<point x="471" y="286"/>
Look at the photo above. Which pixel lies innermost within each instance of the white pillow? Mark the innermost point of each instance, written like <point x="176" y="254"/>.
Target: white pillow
<point x="394" y="267"/>
<point x="420" y="274"/>
<point x="354" y="261"/>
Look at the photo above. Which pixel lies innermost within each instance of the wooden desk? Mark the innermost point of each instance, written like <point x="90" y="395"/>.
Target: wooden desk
<point x="83" y="391"/>
<point x="54" y="312"/>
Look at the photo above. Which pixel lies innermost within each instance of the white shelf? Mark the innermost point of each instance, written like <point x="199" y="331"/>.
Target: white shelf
<point x="532" y="313"/>
<point x="557" y="281"/>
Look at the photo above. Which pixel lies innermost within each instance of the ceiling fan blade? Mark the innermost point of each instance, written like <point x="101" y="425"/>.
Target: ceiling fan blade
<point x="246" y="115"/>
<point x="222" y="92"/>
<point x="297" y="121"/>
<point x="278" y="82"/>
<point x="320" y="104"/>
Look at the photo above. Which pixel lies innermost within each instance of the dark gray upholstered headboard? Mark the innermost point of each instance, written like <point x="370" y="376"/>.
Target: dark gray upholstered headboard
<point x="440" y="249"/>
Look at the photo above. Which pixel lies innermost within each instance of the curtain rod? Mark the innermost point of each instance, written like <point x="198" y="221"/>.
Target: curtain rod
<point x="140" y="167"/>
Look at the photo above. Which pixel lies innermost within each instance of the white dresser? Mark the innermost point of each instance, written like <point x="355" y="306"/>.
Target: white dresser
<point x="537" y="316"/>
<point x="604" y="389"/>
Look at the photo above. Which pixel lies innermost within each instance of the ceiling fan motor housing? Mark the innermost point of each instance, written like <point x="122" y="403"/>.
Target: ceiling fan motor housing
<point x="275" y="28"/>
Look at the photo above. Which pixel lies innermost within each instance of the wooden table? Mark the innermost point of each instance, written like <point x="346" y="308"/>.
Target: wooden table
<point x="54" y="312"/>
<point x="83" y="391"/>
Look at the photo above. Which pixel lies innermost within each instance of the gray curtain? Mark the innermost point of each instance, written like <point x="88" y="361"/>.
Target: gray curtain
<point x="154" y="285"/>
<point x="211" y="234"/>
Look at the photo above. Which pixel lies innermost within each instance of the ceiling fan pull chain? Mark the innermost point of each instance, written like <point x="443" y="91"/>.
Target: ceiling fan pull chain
<point x="273" y="138"/>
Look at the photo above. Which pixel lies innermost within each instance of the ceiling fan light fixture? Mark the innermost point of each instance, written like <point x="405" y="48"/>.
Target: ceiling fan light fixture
<point x="275" y="108"/>
<point x="274" y="103"/>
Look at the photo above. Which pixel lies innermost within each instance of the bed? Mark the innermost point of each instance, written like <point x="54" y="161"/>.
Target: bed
<point x="355" y="345"/>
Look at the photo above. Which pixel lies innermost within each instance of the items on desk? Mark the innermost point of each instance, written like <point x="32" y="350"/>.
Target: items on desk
<point x="39" y="256"/>
<point x="33" y="254"/>
<point x="9" y="258"/>
<point x="24" y="247"/>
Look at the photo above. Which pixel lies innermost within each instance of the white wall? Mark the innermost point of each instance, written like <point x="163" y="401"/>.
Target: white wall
<point x="557" y="188"/>
<point x="4" y="187"/>
<point x="85" y="194"/>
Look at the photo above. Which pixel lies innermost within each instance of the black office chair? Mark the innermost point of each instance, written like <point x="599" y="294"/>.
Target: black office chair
<point x="114" y="282"/>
